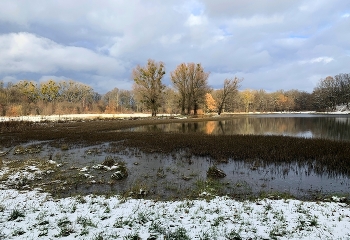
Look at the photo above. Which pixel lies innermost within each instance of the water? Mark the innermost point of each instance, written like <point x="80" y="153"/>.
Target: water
<point x="169" y="176"/>
<point x="336" y="127"/>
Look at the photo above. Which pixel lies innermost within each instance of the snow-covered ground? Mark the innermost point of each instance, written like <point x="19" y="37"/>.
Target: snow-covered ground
<point x="35" y="215"/>
<point x="69" y="117"/>
<point x="72" y="117"/>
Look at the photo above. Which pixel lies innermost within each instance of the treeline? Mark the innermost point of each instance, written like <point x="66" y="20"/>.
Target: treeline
<point x="189" y="94"/>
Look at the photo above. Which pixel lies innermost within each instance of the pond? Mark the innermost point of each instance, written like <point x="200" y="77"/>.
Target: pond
<point x="336" y="127"/>
<point x="180" y="175"/>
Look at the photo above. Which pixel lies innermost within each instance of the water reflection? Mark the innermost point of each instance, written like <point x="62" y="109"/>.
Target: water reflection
<point x="301" y="125"/>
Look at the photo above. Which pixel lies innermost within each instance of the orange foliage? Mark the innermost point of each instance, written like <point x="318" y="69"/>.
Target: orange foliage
<point x="210" y="102"/>
<point x="15" y="111"/>
<point x="110" y="109"/>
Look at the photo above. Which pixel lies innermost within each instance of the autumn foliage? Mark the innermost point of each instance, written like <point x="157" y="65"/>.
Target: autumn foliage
<point x="188" y="94"/>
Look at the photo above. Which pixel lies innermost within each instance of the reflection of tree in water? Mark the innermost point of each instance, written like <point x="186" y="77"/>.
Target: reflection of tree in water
<point x="337" y="128"/>
<point x="319" y="127"/>
<point x="210" y="126"/>
<point x="334" y="128"/>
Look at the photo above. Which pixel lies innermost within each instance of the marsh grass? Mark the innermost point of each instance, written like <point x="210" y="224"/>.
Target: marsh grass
<point x="321" y="155"/>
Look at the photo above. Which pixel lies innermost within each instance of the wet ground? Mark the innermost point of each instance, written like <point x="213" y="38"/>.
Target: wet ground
<point x="165" y="176"/>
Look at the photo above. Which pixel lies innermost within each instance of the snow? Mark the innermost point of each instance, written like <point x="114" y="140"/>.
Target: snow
<point x="72" y="117"/>
<point x="39" y="216"/>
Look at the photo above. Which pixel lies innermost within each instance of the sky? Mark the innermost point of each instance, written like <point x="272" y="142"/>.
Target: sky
<point x="271" y="44"/>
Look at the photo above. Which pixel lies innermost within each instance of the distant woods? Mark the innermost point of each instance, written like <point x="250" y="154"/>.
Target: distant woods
<point x="189" y="93"/>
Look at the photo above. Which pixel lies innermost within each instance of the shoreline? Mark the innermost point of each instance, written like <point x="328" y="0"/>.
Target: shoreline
<point x="76" y="117"/>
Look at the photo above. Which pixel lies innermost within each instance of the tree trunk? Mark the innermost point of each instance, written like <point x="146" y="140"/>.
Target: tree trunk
<point x="219" y="110"/>
<point x="195" y="108"/>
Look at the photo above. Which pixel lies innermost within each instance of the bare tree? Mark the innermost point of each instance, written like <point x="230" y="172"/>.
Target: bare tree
<point x="325" y="94"/>
<point x="148" y="84"/>
<point x="223" y="95"/>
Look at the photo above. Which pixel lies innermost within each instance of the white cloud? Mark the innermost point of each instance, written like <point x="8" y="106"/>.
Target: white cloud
<point x="323" y="60"/>
<point x="195" y="20"/>
<point x="170" y="40"/>
<point x="294" y="42"/>
<point x="257" y="20"/>
<point x="7" y="79"/>
<point x="26" y="52"/>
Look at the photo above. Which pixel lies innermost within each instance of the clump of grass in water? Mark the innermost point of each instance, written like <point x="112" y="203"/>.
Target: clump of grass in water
<point x="109" y="161"/>
<point x="215" y="172"/>
<point x="121" y="171"/>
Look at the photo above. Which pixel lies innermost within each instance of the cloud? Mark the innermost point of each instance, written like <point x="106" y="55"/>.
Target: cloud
<point x="272" y="44"/>
<point x="193" y="20"/>
<point x="52" y="77"/>
<point x="257" y="21"/>
<point x="323" y="60"/>
<point x="26" y="52"/>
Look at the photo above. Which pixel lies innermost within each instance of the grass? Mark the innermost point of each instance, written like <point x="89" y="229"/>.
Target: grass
<point x="218" y="218"/>
<point x="15" y="214"/>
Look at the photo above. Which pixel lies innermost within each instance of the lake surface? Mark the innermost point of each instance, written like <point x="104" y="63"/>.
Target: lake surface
<point x="336" y="127"/>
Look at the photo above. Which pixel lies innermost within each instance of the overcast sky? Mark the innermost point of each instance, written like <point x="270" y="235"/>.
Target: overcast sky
<point x="272" y="44"/>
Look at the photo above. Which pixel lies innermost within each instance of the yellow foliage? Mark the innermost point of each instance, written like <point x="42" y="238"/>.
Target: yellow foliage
<point x="210" y="102"/>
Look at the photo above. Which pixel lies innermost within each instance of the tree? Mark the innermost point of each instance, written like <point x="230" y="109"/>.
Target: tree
<point x="111" y="100"/>
<point x="180" y="81"/>
<point x="49" y="91"/>
<point x="170" y="101"/>
<point x="248" y="98"/>
<point x="29" y="89"/>
<point x="326" y="93"/>
<point x="223" y="95"/>
<point x="210" y="103"/>
<point x="76" y="92"/>
<point x="192" y="84"/>
<point x="343" y="83"/>
<point x="148" y="83"/>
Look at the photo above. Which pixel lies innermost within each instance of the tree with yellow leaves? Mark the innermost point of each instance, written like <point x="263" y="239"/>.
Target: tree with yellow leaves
<point x="148" y="84"/>
<point x="210" y="103"/>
